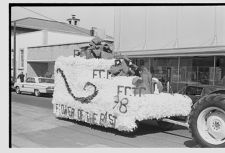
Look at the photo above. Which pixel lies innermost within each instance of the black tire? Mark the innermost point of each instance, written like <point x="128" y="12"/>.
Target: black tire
<point x="37" y="93"/>
<point x="165" y="126"/>
<point x="18" y="90"/>
<point x="213" y="103"/>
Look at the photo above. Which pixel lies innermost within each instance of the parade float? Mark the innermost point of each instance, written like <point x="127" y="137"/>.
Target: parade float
<point x="87" y="90"/>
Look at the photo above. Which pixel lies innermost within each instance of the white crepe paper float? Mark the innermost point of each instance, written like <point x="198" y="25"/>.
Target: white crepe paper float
<point x="105" y="106"/>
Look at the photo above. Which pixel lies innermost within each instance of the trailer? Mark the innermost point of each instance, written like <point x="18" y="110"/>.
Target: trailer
<point x="85" y="91"/>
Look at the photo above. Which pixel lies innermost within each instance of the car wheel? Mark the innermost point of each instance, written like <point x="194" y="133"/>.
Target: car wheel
<point x="37" y="93"/>
<point x="207" y="121"/>
<point x="18" y="90"/>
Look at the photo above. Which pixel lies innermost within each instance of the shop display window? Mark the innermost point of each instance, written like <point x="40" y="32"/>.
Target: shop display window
<point x="197" y="70"/>
<point x="165" y="69"/>
<point x="182" y="71"/>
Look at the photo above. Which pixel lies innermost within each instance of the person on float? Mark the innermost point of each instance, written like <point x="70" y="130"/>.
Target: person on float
<point x="157" y="85"/>
<point x="145" y="81"/>
<point x="120" y="69"/>
<point x="107" y="52"/>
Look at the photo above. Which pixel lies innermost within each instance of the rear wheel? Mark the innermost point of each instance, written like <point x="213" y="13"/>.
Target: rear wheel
<point x="37" y="93"/>
<point x="207" y="121"/>
<point x="18" y="90"/>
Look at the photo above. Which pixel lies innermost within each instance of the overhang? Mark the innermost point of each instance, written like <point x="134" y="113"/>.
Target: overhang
<point x="194" y="51"/>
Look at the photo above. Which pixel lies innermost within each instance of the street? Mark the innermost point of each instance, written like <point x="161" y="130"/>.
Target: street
<point x="34" y="125"/>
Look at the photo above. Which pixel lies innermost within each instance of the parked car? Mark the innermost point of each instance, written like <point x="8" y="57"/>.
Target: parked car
<point x="195" y="92"/>
<point x="35" y="85"/>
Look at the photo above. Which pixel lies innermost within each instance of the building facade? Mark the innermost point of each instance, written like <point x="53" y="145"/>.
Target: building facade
<point x="41" y="59"/>
<point x="39" y="42"/>
<point x="180" y="44"/>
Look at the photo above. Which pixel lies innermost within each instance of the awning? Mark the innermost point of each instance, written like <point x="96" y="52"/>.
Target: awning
<point x="196" y="51"/>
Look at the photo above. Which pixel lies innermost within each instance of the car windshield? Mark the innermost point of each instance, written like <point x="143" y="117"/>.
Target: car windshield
<point x="44" y="80"/>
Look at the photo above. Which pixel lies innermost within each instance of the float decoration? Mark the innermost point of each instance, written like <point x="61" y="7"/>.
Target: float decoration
<point x="85" y="91"/>
<point x="81" y="99"/>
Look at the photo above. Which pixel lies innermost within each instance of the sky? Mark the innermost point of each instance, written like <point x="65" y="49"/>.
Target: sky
<point x="100" y="17"/>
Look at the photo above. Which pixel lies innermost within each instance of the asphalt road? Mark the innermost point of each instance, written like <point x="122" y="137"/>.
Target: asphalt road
<point x="29" y="99"/>
<point x="34" y="125"/>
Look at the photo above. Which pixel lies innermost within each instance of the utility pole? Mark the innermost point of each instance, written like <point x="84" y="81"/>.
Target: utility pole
<point x="14" y="51"/>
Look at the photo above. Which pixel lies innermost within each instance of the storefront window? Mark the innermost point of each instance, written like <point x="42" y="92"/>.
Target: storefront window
<point x="142" y="62"/>
<point x="220" y="71"/>
<point x="165" y="69"/>
<point x="196" y="70"/>
<point x="182" y="71"/>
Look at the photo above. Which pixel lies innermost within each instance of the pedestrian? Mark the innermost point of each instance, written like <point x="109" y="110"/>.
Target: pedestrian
<point x="21" y="77"/>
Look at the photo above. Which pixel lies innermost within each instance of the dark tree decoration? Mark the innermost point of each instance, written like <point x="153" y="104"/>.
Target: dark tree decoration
<point x="83" y="100"/>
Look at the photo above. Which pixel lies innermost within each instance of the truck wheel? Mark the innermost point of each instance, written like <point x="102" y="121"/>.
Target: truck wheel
<point x="207" y="121"/>
<point x="37" y="93"/>
<point x="18" y="90"/>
